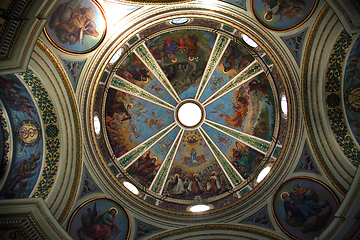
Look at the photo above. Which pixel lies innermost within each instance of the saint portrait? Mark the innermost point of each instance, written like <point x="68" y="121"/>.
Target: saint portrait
<point x="99" y="219"/>
<point x="76" y="26"/>
<point x="304" y="207"/>
<point x="282" y="14"/>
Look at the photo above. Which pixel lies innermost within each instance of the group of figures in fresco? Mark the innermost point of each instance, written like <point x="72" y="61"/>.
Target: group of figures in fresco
<point x="209" y="182"/>
<point x="25" y="167"/>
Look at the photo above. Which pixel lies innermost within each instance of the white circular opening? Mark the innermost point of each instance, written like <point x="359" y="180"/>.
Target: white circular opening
<point x="284" y="105"/>
<point x="263" y="174"/>
<point x="97" y="125"/>
<point x="249" y="41"/>
<point x="199" y="208"/>
<point x="189" y="114"/>
<point x="131" y="188"/>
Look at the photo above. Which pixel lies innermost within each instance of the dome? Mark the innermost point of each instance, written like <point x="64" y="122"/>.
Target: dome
<point x="176" y="69"/>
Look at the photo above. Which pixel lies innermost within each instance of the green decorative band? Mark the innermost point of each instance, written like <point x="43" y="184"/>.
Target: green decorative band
<point x="144" y="54"/>
<point x="258" y="144"/>
<point x="159" y="180"/>
<point x="52" y="136"/>
<point x="220" y="46"/>
<point x="305" y="99"/>
<point x="234" y="176"/>
<point x="333" y="92"/>
<point x="68" y="87"/>
<point x="134" y="154"/>
<point x="246" y="75"/>
<point x="123" y="85"/>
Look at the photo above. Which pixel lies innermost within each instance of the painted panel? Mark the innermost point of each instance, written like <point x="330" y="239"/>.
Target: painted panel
<point x="28" y="141"/>
<point x="135" y="71"/>
<point x="233" y="61"/>
<point x="130" y="120"/>
<point x="73" y="68"/>
<point x="195" y="173"/>
<point x="183" y="56"/>
<point x="261" y="218"/>
<point x="145" y="168"/>
<point x="245" y="159"/>
<point x="88" y="184"/>
<point x="250" y="108"/>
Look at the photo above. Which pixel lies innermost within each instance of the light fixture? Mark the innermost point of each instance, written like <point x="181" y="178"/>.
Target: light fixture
<point x="97" y="125"/>
<point x="179" y="21"/>
<point x="284" y="105"/>
<point x="129" y="186"/>
<point x="263" y="174"/>
<point x="199" y="208"/>
<point x="249" y="41"/>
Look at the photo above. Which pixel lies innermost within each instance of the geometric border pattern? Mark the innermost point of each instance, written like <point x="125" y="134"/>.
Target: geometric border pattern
<point x="52" y="138"/>
<point x="333" y="98"/>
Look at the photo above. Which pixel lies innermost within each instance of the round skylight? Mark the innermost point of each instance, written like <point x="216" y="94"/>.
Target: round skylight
<point x="179" y="21"/>
<point x="249" y="41"/>
<point x="263" y="174"/>
<point x="97" y="125"/>
<point x="189" y="114"/>
<point x="199" y="208"/>
<point x="131" y="188"/>
<point x="284" y="105"/>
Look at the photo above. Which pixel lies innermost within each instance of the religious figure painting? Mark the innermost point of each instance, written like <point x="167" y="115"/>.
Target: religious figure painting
<point x="76" y="26"/>
<point x="304" y="207"/>
<point x="183" y="56"/>
<point x="352" y="90"/>
<point x="99" y="219"/>
<point x="28" y="143"/>
<point x="282" y="15"/>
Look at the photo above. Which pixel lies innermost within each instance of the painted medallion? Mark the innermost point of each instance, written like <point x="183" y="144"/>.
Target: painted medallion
<point x="282" y="15"/>
<point x="76" y="26"/>
<point x="304" y="207"/>
<point x="99" y="219"/>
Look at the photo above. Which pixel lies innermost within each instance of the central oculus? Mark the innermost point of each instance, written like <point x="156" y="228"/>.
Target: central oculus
<point x="189" y="114"/>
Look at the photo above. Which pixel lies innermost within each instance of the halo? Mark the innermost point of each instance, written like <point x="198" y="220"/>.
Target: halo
<point x="272" y="17"/>
<point x="114" y="208"/>
<point x="213" y="172"/>
<point x="177" y="175"/>
<point x="191" y="59"/>
<point x="174" y="59"/>
<point x="130" y="105"/>
<point x="195" y="175"/>
<point x="281" y="196"/>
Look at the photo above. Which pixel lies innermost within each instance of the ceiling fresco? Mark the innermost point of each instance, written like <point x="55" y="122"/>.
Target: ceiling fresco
<point x="282" y="15"/>
<point x="26" y="139"/>
<point x="94" y="143"/>
<point x="76" y="26"/>
<point x="229" y="81"/>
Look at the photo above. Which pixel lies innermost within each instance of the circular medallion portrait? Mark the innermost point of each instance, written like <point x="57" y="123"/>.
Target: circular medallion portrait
<point x="304" y="207"/>
<point x="99" y="219"/>
<point x="282" y="15"/>
<point x="76" y="26"/>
